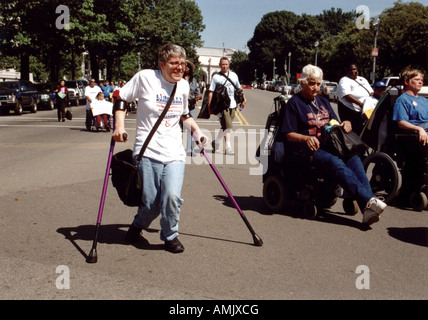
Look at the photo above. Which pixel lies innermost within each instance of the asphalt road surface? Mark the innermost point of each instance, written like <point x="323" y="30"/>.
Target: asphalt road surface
<point x="51" y="181"/>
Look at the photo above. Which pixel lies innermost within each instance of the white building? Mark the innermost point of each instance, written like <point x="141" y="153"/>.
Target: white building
<point x="209" y="59"/>
<point x="11" y="74"/>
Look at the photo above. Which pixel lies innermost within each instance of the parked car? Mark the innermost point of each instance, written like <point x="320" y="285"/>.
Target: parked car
<point x="327" y="86"/>
<point x="271" y="86"/>
<point x="295" y="88"/>
<point x="46" y="96"/>
<point x="279" y="86"/>
<point x="18" y="95"/>
<point x="76" y="90"/>
<point x="332" y="95"/>
<point x="265" y="84"/>
<point x="393" y="84"/>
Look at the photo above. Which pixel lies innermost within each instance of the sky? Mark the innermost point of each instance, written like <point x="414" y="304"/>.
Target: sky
<point x="231" y="23"/>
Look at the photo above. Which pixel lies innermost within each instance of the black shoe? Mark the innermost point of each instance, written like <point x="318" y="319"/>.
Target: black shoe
<point x="133" y="234"/>
<point x="174" y="246"/>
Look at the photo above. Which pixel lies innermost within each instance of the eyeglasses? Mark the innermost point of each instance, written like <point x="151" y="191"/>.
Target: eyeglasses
<point x="176" y="64"/>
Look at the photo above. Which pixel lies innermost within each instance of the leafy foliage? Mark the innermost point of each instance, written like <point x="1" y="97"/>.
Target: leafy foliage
<point x="402" y="38"/>
<point x="112" y="32"/>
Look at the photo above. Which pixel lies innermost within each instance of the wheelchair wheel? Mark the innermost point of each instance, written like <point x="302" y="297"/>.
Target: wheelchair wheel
<point x="418" y="201"/>
<point x="310" y="209"/>
<point x="384" y="175"/>
<point x="350" y="206"/>
<point x="274" y="193"/>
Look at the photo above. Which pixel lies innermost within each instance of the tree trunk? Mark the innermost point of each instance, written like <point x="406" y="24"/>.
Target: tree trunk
<point x="25" y="65"/>
<point x="94" y="65"/>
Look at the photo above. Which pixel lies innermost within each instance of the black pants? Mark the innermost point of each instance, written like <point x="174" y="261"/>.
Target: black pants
<point x="88" y="121"/>
<point x="61" y="110"/>
<point x="354" y="117"/>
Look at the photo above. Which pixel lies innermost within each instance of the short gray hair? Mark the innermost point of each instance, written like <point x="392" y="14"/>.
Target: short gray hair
<point x="169" y="50"/>
<point x="311" y="71"/>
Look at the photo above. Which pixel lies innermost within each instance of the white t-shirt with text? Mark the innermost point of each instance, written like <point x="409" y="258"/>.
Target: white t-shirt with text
<point x="153" y="93"/>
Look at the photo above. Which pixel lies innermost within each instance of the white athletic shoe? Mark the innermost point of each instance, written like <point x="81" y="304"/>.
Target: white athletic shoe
<point x="377" y="205"/>
<point x="372" y="211"/>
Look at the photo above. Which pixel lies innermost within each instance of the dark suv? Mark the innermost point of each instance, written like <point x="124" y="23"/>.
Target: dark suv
<point x="18" y="95"/>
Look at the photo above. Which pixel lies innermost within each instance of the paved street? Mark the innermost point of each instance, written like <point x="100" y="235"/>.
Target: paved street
<point x="52" y="175"/>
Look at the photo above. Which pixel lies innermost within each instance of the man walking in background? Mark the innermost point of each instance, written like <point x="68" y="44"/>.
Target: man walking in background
<point x="226" y="116"/>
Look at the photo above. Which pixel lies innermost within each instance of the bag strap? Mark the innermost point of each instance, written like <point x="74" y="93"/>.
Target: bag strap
<point x="227" y="78"/>
<point x="155" y="127"/>
<point x="362" y="86"/>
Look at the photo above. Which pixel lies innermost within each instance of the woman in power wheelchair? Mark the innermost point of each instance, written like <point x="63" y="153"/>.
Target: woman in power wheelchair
<point x="397" y="166"/>
<point x="305" y="163"/>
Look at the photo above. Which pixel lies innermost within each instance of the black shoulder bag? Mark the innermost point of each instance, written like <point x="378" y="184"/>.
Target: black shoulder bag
<point x="220" y="100"/>
<point x="124" y="174"/>
<point x="239" y="94"/>
<point x="342" y="144"/>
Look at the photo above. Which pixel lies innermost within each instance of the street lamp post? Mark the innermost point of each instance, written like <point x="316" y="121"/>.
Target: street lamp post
<point x="376" y="23"/>
<point x="285" y="70"/>
<point x="289" y="67"/>
<point x="317" y="43"/>
<point x="273" y="77"/>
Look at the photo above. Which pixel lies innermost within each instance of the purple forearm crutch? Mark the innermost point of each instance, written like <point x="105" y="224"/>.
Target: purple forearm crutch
<point x="257" y="240"/>
<point x="93" y="257"/>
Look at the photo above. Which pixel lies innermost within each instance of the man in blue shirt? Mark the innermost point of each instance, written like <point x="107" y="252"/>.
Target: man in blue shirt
<point x="107" y="90"/>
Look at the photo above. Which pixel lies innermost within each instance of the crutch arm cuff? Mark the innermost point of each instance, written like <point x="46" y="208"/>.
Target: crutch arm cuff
<point x="119" y="105"/>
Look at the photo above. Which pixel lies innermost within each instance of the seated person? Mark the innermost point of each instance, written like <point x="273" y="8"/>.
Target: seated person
<point x="379" y="88"/>
<point x="305" y="115"/>
<point x="101" y="109"/>
<point x="411" y="113"/>
<point x="410" y="109"/>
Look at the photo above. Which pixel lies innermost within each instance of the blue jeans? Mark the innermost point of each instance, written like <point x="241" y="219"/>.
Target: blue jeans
<point x="162" y="183"/>
<point x="350" y="176"/>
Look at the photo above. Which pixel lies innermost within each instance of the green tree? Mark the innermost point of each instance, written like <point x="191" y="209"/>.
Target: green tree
<point x="20" y="31"/>
<point x="273" y="38"/>
<point x="242" y="66"/>
<point x="111" y="31"/>
<point x="403" y="38"/>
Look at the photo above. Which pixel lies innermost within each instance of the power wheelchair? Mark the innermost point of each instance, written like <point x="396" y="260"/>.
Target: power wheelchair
<point x="293" y="178"/>
<point x="395" y="165"/>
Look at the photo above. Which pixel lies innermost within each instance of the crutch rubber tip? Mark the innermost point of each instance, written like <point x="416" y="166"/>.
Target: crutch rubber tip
<point x="258" y="242"/>
<point x="92" y="257"/>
